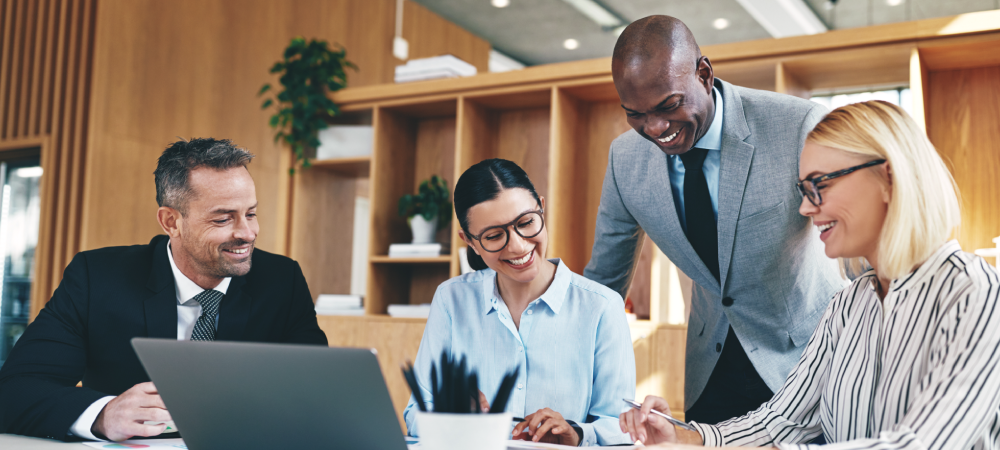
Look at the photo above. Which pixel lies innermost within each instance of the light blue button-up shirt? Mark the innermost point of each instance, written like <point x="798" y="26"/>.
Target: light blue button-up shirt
<point x="712" y="141"/>
<point x="573" y="349"/>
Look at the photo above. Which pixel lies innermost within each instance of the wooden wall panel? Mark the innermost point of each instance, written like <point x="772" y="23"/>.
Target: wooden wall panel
<point x="963" y="122"/>
<point x="192" y="68"/>
<point x="46" y="53"/>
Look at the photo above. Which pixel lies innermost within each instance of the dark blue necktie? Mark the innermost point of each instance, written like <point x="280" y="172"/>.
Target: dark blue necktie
<point x="702" y="232"/>
<point x="204" y="328"/>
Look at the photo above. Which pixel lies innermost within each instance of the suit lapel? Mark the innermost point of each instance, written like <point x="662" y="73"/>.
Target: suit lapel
<point x="737" y="155"/>
<point x="160" y="306"/>
<point x="676" y="241"/>
<point x="234" y="312"/>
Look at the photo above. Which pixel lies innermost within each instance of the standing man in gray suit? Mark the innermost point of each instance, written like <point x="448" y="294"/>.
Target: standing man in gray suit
<point x="709" y="173"/>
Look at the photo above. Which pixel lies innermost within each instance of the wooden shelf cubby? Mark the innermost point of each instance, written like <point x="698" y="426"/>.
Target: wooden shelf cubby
<point x="558" y="121"/>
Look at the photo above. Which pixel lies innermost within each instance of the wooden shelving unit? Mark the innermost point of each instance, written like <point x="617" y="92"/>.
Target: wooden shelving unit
<point x="358" y="166"/>
<point x="380" y="259"/>
<point x="557" y="122"/>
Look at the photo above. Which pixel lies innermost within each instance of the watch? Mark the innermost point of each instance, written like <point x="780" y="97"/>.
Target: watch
<point x="579" y="431"/>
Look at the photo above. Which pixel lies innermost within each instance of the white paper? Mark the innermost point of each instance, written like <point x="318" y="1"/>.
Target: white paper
<point x="176" y="443"/>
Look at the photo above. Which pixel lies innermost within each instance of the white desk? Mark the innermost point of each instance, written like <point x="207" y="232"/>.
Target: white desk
<point x="15" y="442"/>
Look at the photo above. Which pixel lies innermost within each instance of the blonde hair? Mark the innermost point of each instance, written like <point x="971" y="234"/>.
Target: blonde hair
<point x="923" y="208"/>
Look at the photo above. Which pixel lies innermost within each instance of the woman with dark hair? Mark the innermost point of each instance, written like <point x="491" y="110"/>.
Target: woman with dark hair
<point x="567" y="335"/>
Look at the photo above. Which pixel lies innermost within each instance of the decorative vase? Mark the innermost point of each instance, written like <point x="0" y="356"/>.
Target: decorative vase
<point x="423" y="230"/>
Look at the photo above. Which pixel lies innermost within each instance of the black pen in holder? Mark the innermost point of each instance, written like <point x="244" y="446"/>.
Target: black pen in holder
<point x="454" y="422"/>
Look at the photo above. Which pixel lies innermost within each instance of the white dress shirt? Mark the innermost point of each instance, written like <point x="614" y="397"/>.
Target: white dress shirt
<point x="918" y="370"/>
<point x="188" y="311"/>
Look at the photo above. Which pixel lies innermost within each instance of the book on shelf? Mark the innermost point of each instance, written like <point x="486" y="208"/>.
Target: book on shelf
<point x="415" y="250"/>
<point x="412" y="311"/>
<point x="339" y="305"/>
<point x="445" y="66"/>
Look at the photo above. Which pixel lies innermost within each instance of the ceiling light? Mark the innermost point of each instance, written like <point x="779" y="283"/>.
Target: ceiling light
<point x="720" y="24"/>
<point x="29" y="172"/>
<point x="783" y="18"/>
<point x="500" y="3"/>
<point x="598" y="13"/>
<point x="894" y="2"/>
<point x="571" y="44"/>
<point x="618" y="31"/>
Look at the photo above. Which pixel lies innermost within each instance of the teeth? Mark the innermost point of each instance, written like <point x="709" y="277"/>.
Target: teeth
<point x="239" y="251"/>
<point x="826" y="226"/>
<point x="518" y="262"/>
<point x="669" y="138"/>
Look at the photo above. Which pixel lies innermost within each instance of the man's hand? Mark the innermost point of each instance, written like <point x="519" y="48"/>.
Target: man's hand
<point x="546" y="425"/>
<point x="649" y="428"/>
<point x="123" y="417"/>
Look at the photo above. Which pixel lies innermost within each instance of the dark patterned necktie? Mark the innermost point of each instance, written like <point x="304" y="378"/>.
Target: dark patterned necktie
<point x="204" y="329"/>
<point x="702" y="231"/>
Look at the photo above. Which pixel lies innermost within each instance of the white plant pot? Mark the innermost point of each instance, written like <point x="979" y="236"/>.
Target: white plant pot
<point x="423" y="230"/>
<point x="446" y="431"/>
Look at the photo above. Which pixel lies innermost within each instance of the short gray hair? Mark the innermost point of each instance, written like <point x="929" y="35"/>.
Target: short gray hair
<point x="181" y="157"/>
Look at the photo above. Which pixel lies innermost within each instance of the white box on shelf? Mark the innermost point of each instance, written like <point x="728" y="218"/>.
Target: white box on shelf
<point x="414" y="311"/>
<point x="345" y="141"/>
<point x="415" y="250"/>
<point x="340" y="312"/>
<point x="337" y="301"/>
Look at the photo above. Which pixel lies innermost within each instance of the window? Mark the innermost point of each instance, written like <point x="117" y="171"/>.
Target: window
<point x="19" y="217"/>
<point x="899" y="96"/>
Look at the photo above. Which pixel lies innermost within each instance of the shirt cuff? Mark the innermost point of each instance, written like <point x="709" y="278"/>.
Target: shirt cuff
<point x="589" y="435"/>
<point x="709" y="433"/>
<point x="81" y="428"/>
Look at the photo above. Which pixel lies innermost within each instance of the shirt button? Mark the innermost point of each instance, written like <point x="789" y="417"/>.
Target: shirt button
<point x="520" y="386"/>
<point x="718" y="348"/>
<point x="529" y="312"/>
<point x="728" y="301"/>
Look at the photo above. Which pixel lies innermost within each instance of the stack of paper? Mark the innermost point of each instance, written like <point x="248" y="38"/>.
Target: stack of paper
<point x="415" y="250"/>
<point x="339" y="305"/>
<point x="446" y="66"/>
<point x="418" y="311"/>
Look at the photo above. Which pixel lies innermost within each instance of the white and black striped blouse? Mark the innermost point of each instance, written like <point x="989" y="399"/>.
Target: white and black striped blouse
<point x="919" y="373"/>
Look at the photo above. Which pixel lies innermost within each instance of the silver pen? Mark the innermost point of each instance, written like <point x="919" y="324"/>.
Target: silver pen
<point x="636" y="405"/>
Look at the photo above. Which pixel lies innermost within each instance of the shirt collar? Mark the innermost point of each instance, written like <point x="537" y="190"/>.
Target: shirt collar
<point x="930" y="266"/>
<point x="187" y="289"/>
<point x="712" y="140"/>
<point x="554" y="296"/>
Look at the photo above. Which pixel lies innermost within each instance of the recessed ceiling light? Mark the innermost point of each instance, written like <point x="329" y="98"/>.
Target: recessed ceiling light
<point x="571" y="44"/>
<point x="500" y="3"/>
<point x="894" y="2"/>
<point x="720" y="24"/>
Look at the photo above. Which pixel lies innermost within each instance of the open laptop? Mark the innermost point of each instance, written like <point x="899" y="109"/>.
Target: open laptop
<point x="272" y="396"/>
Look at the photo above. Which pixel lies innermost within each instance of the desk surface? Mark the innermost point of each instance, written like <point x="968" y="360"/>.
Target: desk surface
<point x="13" y="441"/>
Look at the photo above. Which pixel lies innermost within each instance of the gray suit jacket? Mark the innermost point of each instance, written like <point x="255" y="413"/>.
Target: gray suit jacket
<point x="771" y="259"/>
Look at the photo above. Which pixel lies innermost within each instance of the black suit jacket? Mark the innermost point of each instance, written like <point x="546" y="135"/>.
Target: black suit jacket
<point x="111" y="295"/>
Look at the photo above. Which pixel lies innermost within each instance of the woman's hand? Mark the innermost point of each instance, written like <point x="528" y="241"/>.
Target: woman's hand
<point x="484" y="404"/>
<point x="546" y="425"/>
<point x="649" y="428"/>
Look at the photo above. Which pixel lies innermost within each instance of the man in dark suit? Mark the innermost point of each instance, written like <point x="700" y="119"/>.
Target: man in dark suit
<point x="195" y="283"/>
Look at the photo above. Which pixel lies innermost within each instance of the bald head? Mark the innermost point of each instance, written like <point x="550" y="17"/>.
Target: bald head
<point x="664" y="83"/>
<point x="656" y="38"/>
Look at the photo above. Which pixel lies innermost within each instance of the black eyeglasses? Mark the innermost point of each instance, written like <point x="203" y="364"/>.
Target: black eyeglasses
<point x="809" y="188"/>
<point x="527" y="225"/>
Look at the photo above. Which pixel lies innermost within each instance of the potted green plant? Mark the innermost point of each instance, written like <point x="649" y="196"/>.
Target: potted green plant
<point x="428" y="210"/>
<point x="309" y="72"/>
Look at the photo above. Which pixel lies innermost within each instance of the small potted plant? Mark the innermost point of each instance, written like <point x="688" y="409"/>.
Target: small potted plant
<point x="428" y="210"/>
<point x="310" y="71"/>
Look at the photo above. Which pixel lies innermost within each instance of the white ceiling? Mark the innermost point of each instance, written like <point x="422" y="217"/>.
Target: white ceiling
<point x="533" y="31"/>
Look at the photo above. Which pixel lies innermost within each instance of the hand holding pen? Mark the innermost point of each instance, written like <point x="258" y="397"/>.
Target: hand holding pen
<point x="646" y="423"/>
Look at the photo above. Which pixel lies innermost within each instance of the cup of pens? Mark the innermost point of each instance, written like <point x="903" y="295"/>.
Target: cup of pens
<point x="457" y="422"/>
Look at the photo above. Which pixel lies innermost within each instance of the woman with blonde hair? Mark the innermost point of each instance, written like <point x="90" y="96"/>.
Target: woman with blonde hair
<point x="907" y="355"/>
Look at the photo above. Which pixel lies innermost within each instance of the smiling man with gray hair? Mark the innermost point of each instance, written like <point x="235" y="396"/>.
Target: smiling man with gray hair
<point x="195" y="283"/>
